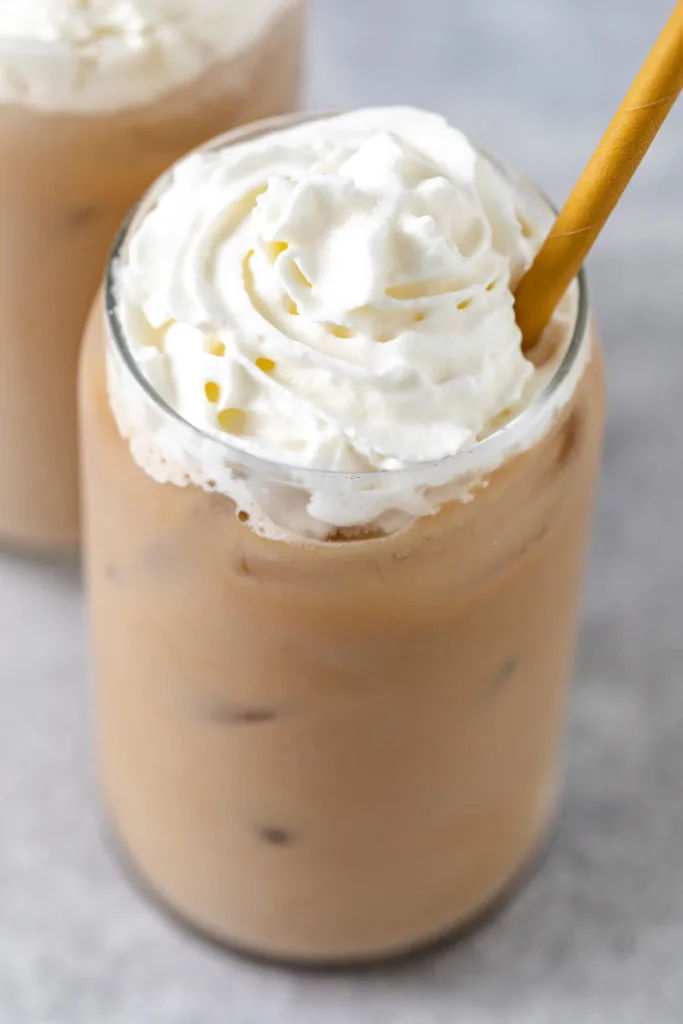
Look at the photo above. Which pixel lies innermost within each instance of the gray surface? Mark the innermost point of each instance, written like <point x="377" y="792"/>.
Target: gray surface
<point x="598" y="936"/>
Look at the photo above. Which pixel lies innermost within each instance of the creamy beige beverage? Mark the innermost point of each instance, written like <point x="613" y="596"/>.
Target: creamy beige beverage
<point x="335" y="532"/>
<point x="96" y="100"/>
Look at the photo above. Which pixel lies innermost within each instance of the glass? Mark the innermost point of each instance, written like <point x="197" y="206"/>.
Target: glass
<point x="67" y="179"/>
<point x="333" y="751"/>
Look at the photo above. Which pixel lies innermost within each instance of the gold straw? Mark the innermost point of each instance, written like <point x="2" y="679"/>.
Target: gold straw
<point x="597" y="191"/>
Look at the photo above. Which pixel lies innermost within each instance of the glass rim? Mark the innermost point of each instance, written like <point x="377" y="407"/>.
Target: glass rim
<point x="526" y="417"/>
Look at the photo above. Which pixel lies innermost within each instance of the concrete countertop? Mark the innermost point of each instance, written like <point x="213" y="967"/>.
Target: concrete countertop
<point x="598" y="934"/>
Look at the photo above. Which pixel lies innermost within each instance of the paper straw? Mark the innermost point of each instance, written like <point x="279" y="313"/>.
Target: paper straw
<point x="597" y="191"/>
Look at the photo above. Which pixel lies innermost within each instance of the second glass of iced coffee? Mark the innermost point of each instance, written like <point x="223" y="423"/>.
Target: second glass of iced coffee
<point x="97" y="100"/>
<point x="336" y="524"/>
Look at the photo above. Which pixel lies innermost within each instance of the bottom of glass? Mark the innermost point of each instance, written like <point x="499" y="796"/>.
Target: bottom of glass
<point x="65" y="549"/>
<point x="67" y="555"/>
<point x="458" y="932"/>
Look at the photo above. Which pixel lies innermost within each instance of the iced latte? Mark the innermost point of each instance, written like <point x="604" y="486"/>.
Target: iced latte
<point x="96" y="100"/>
<point x="336" y="524"/>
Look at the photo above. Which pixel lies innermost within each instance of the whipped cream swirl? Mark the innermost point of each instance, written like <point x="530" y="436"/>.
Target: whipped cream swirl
<point x="332" y="296"/>
<point x="98" y="55"/>
<point x="335" y="295"/>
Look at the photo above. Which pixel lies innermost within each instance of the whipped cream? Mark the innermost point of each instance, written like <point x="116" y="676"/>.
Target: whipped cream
<point x="332" y="296"/>
<point x="98" y="55"/>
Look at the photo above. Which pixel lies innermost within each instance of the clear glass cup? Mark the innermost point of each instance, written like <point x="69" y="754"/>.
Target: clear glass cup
<point x="67" y="179"/>
<point x="334" y="751"/>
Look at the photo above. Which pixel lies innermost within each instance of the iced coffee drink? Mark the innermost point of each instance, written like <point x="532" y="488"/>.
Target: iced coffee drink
<point x="336" y="524"/>
<point x="96" y="100"/>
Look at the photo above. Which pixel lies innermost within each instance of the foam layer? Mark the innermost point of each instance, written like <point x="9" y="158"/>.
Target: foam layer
<point x="336" y="296"/>
<point x="98" y="55"/>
